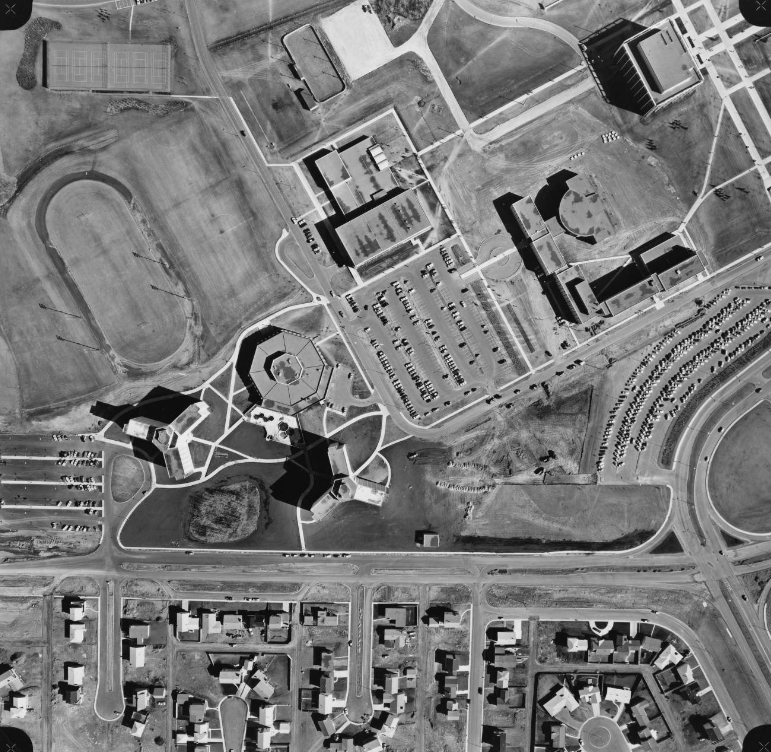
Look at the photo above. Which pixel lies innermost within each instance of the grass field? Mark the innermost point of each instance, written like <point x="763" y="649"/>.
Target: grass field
<point x="755" y="57"/>
<point x="740" y="476"/>
<point x="226" y="512"/>
<point x="489" y="66"/>
<point x="256" y="76"/>
<point x="95" y="234"/>
<point x="580" y="17"/>
<point x="726" y="230"/>
<point x="126" y="477"/>
<point x="752" y="121"/>
<point x="581" y="513"/>
<point x="199" y="205"/>
<point x="224" y="18"/>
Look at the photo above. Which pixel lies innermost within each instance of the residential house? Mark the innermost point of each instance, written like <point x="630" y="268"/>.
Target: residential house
<point x="669" y="655"/>
<point x="142" y="699"/>
<point x="76" y="609"/>
<point x="137" y="656"/>
<point x="562" y="699"/>
<point x="77" y="631"/>
<point x="75" y="674"/>
<point x="619" y="695"/>
<point x="19" y="705"/>
<point x="389" y="725"/>
<point x="140" y="633"/>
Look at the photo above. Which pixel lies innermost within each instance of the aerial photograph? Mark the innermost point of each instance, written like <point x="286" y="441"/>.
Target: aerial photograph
<point x="385" y="375"/>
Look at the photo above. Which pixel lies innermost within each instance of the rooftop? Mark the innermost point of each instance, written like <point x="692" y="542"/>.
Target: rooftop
<point x="353" y="175"/>
<point x="582" y="212"/>
<point x="384" y="226"/>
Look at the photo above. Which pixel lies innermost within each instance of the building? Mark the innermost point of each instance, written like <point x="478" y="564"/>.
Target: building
<point x="261" y="686"/>
<point x="346" y="486"/>
<point x="19" y="705"/>
<point x="357" y="174"/>
<point x="140" y="633"/>
<point x="619" y="695"/>
<point x="266" y="715"/>
<point x="107" y="66"/>
<point x="137" y="656"/>
<point x="75" y="674"/>
<point x="562" y="699"/>
<point x="187" y="623"/>
<point x="389" y="725"/>
<point x="172" y="439"/>
<point x="577" y="645"/>
<point x="590" y="694"/>
<point x="288" y="372"/>
<point x="582" y="211"/>
<point x="378" y="230"/>
<point x="77" y="631"/>
<point x="142" y="699"/>
<point x="427" y="539"/>
<point x="529" y="218"/>
<point x="76" y="609"/>
<point x="669" y="655"/>
<point x="658" y="65"/>
<point x="577" y="294"/>
<point x="138" y="725"/>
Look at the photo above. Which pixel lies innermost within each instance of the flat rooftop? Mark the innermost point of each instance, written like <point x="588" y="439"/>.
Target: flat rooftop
<point x="547" y="253"/>
<point x="630" y="297"/>
<point x="381" y="228"/>
<point x="88" y="66"/>
<point x="582" y="212"/>
<point x="353" y="176"/>
<point x="665" y="61"/>
<point x="681" y="272"/>
<point x="529" y="218"/>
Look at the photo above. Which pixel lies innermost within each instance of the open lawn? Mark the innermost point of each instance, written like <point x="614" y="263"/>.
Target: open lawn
<point x="753" y="122"/>
<point x="127" y="475"/>
<point x="489" y="66"/>
<point x="601" y="514"/>
<point x="727" y="229"/>
<point x="580" y="17"/>
<point x="740" y="474"/>
<point x="222" y="19"/>
<point x="755" y="57"/>
<point x="256" y="75"/>
<point x="730" y="156"/>
<point x="98" y="239"/>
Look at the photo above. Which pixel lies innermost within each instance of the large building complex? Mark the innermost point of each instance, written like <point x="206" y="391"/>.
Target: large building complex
<point x="172" y="439"/>
<point x="377" y="214"/>
<point x="105" y="66"/>
<point x="288" y="372"/>
<point x="658" y="65"/>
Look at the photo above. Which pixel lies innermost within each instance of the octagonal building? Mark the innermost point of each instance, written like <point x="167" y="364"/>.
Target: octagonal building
<point x="289" y="372"/>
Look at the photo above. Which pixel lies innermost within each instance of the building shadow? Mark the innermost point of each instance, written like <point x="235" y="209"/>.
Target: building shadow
<point x="616" y="281"/>
<point x="606" y="66"/>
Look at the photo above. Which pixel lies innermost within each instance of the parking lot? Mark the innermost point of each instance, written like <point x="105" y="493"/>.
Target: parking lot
<point x="429" y="334"/>
<point x="55" y="480"/>
<point x="671" y="372"/>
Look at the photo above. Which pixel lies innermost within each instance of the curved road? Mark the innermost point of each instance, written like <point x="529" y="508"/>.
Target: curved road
<point x="519" y="22"/>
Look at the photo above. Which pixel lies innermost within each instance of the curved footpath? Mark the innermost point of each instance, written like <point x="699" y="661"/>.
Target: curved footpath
<point x="519" y="22"/>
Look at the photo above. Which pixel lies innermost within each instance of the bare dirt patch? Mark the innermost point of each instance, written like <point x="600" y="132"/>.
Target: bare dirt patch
<point x="226" y="512"/>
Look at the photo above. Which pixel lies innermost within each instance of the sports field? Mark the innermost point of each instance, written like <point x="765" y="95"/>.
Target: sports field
<point x="488" y="66"/>
<point x="740" y="473"/>
<point x="95" y="234"/>
<point x="216" y="220"/>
